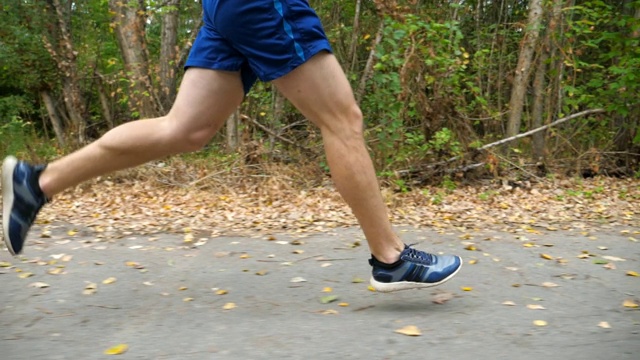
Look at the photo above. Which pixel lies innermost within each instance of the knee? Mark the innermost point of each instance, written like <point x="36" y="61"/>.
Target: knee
<point x="348" y="123"/>
<point x="188" y="138"/>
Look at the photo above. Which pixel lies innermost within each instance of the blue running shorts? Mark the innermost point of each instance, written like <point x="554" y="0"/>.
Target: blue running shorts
<point x="263" y="39"/>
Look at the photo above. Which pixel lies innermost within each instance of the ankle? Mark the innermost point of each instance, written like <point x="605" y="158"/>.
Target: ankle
<point x="389" y="257"/>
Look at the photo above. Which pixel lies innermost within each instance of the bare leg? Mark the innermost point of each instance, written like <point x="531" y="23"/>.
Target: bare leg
<point x="320" y="90"/>
<point x="206" y="98"/>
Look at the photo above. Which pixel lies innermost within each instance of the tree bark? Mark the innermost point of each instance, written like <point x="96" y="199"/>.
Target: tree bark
<point x="56" y="123"/>
<point x="368" y="69"/>
<point x="169" y="54"/>
<point x="129" y="24"/>
<point x="60" y="46"/>
<point x="232" y="130"/>
<point x="354" y="37"/>
<point x="520" y="82"/>
<point x="104" y="101"/>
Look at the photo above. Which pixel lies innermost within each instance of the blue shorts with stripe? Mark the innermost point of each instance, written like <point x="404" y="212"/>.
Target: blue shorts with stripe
<point x="263" y="39"/>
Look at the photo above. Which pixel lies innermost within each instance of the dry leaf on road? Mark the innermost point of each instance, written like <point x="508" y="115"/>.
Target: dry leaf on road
<point x="409" y="330"/>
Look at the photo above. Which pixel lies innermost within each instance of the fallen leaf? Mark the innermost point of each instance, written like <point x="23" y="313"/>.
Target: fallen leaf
<point x="630" y="304"/>
<point x="357" y="280"/>
<point x="471" y="247"/>
<point x="330" y="312"/>
<point x="509" y="303"/>
<point x="583" y="256"/>
<point x="546" y="256"/>
<point x="148" y="283"/>
<point x="229" y="306"/>
<point x="528" y="245"/>
<point x="604" y="325"/>
<point x="535" y="307"/>
<point x="298" y="280"/>
<point x="548" y="284"/>
<point x="298" y="251"/>
<point x="609" y="266"/>
<point x="72" y="232"/>
<point x="409" y="330"/>
<point x="5" y="264"/>
<point x="328" y="299"/>
<point x="613" y="258"/>
<point x="371" y="288"/>
<point x="442" y="298"/>
<point x="343" y="304"/>
<point x="25" y="275"/>
<point x="262" y="272"/>
<point x="128" y="263"/>
<point x="55" y="271"/>
<point x="539" y="323"/>
<point x="632" y="273"/>
<point x="117" y="350"/>
<point x="108" y="281"/>
<point x="182" y="288"/>
<point x="472" y="262"/>
<point x="466" y="288"/>
<point x="327" y="290"/>
<point x="600" y="261"/>
<point x="245" y="256"/>
<point x="221" y="292"/>
<point x="90" y="289"/>
<point x="39" y="285"/>
<point x="187" y="299"/>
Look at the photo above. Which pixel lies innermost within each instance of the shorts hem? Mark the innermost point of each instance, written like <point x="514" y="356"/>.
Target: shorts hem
<point x="292" y="65"/>
<point x="212" y="66"/>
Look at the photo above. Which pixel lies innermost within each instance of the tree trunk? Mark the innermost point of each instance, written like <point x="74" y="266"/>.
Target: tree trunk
<point x="129" y="25"/>
<point x="351" y="57"/>
<point x="232" y="130"/>
<point x="104" y="101"/>
<point x="368" y="69"/>
<point x="539" y="83"/>
<point x="60" y="46"/>
<point x="56" y="123"/>
<point x="522" y="71"/>
<point x="169" y="54"/>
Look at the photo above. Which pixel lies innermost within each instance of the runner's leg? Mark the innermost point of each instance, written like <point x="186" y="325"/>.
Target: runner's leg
<point x="205" y="100"/>
<point x="320" y="90"/>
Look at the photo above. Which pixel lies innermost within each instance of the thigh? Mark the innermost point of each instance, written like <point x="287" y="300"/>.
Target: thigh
<point x="206" y="98"/>
<point x="320" y="90"/>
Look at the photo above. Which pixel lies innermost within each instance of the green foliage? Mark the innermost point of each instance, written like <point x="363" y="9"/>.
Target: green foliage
<point x="420" y="65"/>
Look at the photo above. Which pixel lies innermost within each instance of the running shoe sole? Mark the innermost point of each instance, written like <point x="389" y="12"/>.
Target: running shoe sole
<point x="8" y="165"/>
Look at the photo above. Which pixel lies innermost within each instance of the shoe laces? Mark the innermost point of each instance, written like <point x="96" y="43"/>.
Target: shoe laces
<point x="418" y="256"/>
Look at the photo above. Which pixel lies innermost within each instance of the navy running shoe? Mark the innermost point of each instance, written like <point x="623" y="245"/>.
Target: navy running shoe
<point x="22" y="199"/>
<point x="416" y="269"/>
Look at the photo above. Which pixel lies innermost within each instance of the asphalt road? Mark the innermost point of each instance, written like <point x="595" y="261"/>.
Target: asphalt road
<point x="165" y="303"/>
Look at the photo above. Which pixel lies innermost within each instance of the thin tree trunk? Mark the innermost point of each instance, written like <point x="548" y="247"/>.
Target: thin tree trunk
<point x="169" y="54"/>
<point x="278" y="116"/>
<point x="368" y="69"/>
<point x="63" y="53"/>
<point x="354" y="37"/>
<point x="520" y="81"/>
<point x="232" y="130"/>
<point x="130" y="22"/>
<point x="56" y="123"/>
<point x="104" y="101"/>
<point x="537" y="112"/>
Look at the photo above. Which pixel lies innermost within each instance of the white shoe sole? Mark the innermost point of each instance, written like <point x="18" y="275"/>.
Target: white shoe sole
<point x="408" y="285"/>
<point x="8" y="165"/>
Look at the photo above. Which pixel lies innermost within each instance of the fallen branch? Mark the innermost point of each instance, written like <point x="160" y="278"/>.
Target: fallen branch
<point x="504" y="141"/>
<point x="271" y="132"/>
<point x="531" y="132"/>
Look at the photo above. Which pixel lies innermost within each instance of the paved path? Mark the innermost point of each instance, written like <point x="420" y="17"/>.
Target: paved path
<point x="275" y="318"/>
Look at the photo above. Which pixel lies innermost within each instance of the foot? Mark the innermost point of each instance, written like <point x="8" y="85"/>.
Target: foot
<point x="22" y="199"/>
<point x="415" y="269"/>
